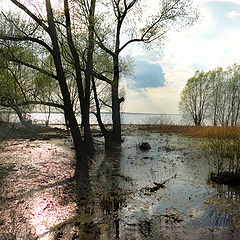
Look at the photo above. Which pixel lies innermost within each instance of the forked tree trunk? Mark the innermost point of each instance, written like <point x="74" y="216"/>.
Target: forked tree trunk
<point x="81" y="159"/>
<point x="84" y="93"/>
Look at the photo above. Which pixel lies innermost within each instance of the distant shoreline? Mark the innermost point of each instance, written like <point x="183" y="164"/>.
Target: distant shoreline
<point x="132" y="113"/>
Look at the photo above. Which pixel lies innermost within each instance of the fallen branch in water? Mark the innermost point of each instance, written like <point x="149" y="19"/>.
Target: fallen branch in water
<point x="157" y="186"/>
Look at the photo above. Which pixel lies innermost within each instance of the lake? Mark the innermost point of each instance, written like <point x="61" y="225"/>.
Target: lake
<point x="57" y="118"/>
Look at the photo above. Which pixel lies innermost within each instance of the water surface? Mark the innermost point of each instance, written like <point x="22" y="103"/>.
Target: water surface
<point x="40" y="199"/>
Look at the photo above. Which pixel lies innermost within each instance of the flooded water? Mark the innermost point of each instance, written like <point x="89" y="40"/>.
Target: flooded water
<point x="162" y="193"/>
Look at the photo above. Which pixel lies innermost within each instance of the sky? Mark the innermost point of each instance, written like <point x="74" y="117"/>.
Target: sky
<point x="160" y="75"/>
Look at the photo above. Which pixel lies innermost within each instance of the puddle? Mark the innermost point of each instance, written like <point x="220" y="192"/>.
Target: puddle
<point x="39" y="199"/>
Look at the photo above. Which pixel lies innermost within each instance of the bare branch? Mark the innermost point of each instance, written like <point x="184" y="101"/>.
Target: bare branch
<point x="105" y="104"/>
<point x="102" y="77"/>
<point x="30" y="14"/>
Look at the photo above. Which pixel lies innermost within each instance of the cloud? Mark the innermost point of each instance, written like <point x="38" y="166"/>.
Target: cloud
<point x="225" y="15"/>
<point x="147" y="75"/>
<point x="233" y="14"/>
<point x="226" y="1"/>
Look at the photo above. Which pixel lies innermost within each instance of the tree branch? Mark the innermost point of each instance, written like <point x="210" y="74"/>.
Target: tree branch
<point x="51" y="104"/>
<point x="14" y="59"/>
<point x="31" y="39"/>
<point x="102" y="77"/>
<point x="105" y="104"/>
<point x="30" y="14"/>
<point x="100" y="43"/>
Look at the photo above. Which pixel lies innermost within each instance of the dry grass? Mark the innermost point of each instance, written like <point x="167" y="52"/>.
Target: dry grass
<point x="163" y="128"/>
<point x="214" y="132"/>
<point x="194" y="131"/>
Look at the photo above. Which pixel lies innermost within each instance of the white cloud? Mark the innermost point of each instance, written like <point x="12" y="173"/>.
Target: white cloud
<point x="233" y="14"/>
<point x="202" y="47"/>
<point x="228" y="1"/>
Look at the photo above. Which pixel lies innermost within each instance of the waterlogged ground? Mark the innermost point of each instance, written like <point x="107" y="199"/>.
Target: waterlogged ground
<point x="162" y="193"/>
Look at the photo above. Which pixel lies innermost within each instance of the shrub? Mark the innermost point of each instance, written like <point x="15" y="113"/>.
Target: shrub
<point x="224" y="143"/>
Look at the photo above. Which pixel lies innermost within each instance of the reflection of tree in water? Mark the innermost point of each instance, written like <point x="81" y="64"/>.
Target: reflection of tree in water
<point x="216" y="217"/>
<point x="145" y="227"/>
<point x="229" y="192"/>
<point x="109" y="196"/>
<point x="99" y="200"/>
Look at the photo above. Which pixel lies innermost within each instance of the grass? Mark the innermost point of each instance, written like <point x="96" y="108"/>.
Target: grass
<point x="223" y="143"/>
<point x="214" y="132"/>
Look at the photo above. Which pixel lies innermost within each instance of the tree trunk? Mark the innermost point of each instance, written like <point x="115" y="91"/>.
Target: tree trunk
<point x="82" y="159"/>
<point x="20" y="114"/>
<point x="88" y="75"/>
<point x="107" y="134"/>
<point x="84" y="94"/>
<point x="88" y="140"/>
<point x="116" y="119"/>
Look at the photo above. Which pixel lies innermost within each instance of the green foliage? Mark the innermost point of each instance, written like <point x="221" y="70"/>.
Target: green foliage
<point x="214" y="95"/>
<point x="194" y="97"/>
<point x="20" y="85"/>
<point x="225" y="147"/>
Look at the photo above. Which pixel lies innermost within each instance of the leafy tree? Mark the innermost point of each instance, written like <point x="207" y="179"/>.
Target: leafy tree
<point x="16" y="86"/>
<point x="195" y="97"/>
<point x="214" y="95"/>
<point x="120" y="20"/>
<point x="227" y="92"/>
<point x="43" y="33"/>
<point x="215" y="78"/>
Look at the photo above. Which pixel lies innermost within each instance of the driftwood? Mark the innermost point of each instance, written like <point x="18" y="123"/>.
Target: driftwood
<point x="172" y="218"/>
<point x="157" y="186"/>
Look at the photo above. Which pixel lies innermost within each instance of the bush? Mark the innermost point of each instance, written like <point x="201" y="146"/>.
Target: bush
<point x="224" y="143"/>
<point x="159" y="120"/>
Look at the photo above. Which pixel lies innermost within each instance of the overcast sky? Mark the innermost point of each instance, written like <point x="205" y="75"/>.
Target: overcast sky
<point x="159" y="78"/>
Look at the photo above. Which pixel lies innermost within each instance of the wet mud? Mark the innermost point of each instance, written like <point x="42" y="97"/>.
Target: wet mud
<point x="159" y="193"/>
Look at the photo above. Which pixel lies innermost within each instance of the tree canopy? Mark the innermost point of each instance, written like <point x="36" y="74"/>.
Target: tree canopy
<point x="214" y="95"/>
<point x="78" y="43"/>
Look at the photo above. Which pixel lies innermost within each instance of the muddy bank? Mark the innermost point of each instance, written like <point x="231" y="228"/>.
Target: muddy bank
<point x="40" y="200"/>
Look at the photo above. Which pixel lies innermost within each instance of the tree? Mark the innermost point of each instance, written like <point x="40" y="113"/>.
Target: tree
<point x="16" y="85"/>
<point x="195" y="97"/>
<point x="122" y="15"/>
<point x="214" y="95"/>
<point x="43" y="34"/>
<point x="215" y="78"/>
<point x="226" y="94"/>
<point x="56" y="34"/>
